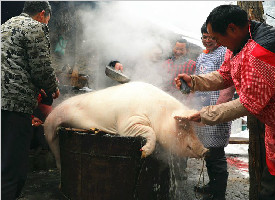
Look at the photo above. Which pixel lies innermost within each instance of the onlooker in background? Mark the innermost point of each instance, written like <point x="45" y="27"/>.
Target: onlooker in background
<point x="178" y="63"/>
<point x="216" y="137"/>
<point x="25" y="69"/>
<point x="249" y="65"/>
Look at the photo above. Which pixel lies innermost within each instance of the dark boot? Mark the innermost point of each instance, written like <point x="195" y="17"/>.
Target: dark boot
<point x="219" y="186"/>
<point x="267" y="191"/>
<point x="211" y="197"/>
<point x="206" y="189"/>
<point x="203" y="189"/>
<point x="215" y="189"/>
<point x="217" y="171"/>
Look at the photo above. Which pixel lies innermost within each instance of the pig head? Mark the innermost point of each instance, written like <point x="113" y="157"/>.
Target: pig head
<point x="132" y="109"/>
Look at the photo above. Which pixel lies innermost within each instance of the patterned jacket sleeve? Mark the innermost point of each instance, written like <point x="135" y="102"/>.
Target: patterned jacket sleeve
<point x="225" y="69"/>
<point x="38" y="44"/>
<point x="228" y="93"/>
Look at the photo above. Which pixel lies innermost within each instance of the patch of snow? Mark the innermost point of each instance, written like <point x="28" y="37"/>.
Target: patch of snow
<point x="238" y="149"/>
<point x="244" y="134"/>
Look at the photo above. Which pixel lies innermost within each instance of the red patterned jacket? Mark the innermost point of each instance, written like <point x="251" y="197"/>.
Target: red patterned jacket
<point x="252" y="71"/>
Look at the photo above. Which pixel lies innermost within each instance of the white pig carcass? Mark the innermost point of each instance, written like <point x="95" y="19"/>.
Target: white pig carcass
<point x="131" y="109"/>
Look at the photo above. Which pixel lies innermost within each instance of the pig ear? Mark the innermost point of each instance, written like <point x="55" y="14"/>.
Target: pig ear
<point x="181" y="117"/>
<point x="182" y="122"/>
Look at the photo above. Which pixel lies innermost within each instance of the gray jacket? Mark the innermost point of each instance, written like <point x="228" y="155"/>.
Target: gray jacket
<point x="25" y="63"/>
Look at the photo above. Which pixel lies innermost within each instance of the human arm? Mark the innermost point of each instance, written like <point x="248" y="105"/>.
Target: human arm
<point x="216" y="80"/>
<point x="216" y="114"/>
<point x="226" y="95"/>
<point x="206" y="82"/>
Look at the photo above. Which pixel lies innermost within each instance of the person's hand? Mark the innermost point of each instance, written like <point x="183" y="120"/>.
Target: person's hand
<point x="185" y="77"/>
<point x="195" y="117"/>
<point x="36" y="122"/>
<point x="119" y="66"/>
<point x="42" y="92"/>
<point x="56" y="94"/>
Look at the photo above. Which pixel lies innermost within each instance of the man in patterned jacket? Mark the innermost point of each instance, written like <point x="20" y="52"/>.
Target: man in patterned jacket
<point x="249" y="65"/>
<point x="25" y="69"/>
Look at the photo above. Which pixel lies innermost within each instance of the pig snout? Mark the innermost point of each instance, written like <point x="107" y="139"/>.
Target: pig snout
<point x="205" y="152"/>
<point x="197" y="150"/>
<point x="191" y="146"/>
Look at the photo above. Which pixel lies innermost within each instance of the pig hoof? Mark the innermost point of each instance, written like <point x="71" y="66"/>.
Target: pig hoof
<point x="95" y="130"/>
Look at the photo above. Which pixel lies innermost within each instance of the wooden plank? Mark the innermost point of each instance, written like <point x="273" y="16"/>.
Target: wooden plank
<point x="238" y="140"/>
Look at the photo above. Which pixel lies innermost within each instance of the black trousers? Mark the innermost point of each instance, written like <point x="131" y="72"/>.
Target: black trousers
<point x="16" y="131"/>
<point x="216" y="162"/>
<point x="267" y="191"/>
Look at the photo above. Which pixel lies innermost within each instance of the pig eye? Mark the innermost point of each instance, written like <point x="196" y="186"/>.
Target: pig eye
<point x="188" y="147"/>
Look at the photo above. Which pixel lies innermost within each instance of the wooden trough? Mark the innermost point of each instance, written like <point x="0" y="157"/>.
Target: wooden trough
<point x="99" y="166"/>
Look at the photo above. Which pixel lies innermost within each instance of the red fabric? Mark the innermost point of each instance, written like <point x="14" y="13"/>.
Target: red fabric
<point x="264" y="55"/>
<point x="45" y="109"/>
<point x="205" y="51"/>
<point x="39" y="98"/>
<point x="252" y="71"/>
<point x="174" y="68"/>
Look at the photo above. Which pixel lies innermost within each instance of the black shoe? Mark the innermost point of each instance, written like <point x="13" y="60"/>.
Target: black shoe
<point x="207" y="197"/>
<point x="203" y="190"/>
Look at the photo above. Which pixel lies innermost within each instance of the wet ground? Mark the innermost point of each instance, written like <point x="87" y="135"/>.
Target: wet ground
<point x="43" y="184"/>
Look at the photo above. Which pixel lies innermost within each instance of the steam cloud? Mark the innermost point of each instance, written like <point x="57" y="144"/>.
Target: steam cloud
<point x="119" y="34"/>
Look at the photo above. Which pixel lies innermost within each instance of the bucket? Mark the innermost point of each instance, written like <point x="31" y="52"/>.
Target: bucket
<point x="244" y="127"/>
<point x="100" y="166"/>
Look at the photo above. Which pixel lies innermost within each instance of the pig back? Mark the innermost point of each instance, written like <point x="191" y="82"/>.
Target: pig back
<point x="135" y="98"/>
<point x="105" y="109"/>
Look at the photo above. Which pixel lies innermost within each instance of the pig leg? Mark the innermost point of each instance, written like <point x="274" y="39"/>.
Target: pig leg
<point x="139" y="126"/>
<point x="62" y="115"/>
<point x="150" y="136"/>
<point x="50" y="130"/>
